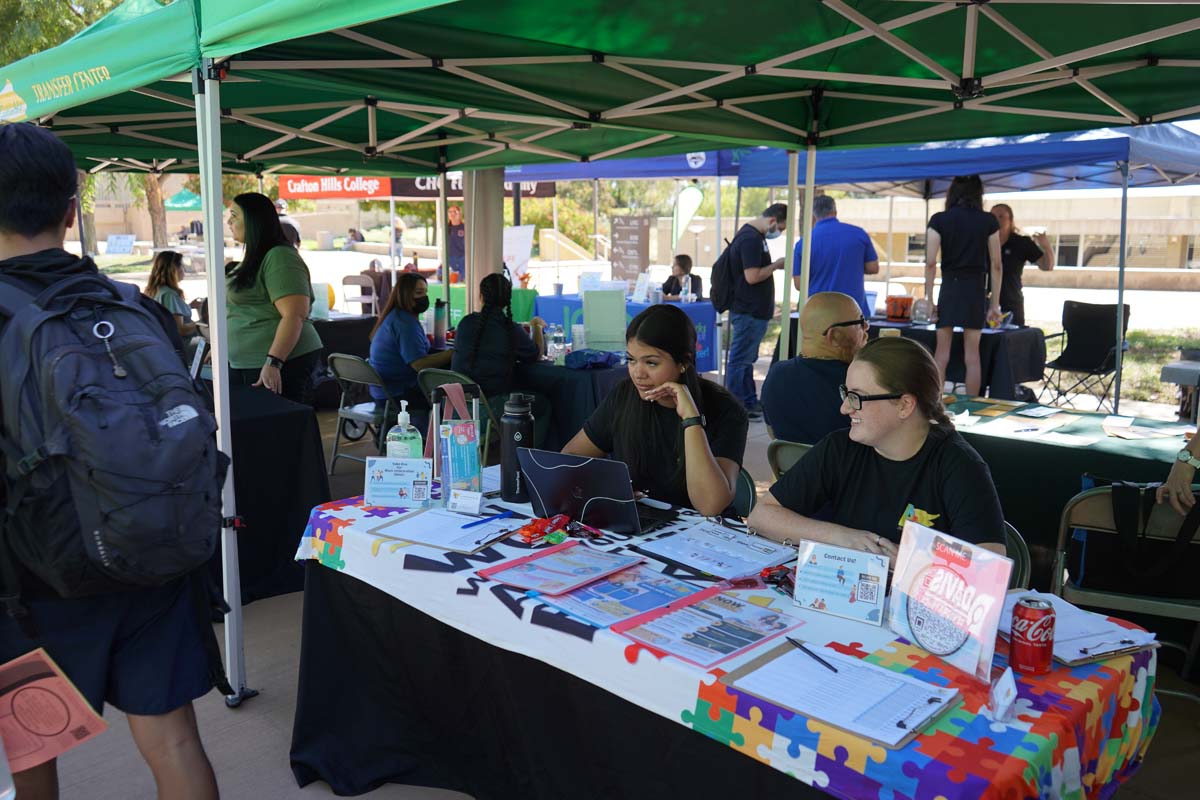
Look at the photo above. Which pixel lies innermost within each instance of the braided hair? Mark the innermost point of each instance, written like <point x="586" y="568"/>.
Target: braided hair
<point x="496" y="291"/>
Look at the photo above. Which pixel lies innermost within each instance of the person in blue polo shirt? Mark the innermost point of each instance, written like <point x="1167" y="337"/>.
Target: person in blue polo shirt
<point x="841" y="255"/>
<point x="800" y="396"/>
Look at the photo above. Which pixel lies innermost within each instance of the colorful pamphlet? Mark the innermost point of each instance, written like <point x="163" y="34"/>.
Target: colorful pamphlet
<point x="842" y="582"/>
<point x="398" y="482"/>
<point x="42" y="714"/>
<point x="709" y="627"/>
<point x="559" y="569"/>
<point x="621" y="596"/>
<point x="947" y="597"/>
<point x="717" y="550"/>
<point x="459" y="442"/>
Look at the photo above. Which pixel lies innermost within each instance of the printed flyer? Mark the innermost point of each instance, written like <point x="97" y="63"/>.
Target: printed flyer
<point x="398" y="482"/>
<point x="842" y="582"/>
<point x="947" y="596"/>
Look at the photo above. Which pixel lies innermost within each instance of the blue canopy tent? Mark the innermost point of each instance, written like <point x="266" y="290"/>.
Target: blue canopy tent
<point x="702" y="164"/>
<point x="1145" y="156"/>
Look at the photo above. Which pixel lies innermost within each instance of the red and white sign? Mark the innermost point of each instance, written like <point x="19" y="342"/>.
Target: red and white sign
<point x="330" y="187"/>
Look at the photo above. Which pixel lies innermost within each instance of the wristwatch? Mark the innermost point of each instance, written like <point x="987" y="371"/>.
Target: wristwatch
<point x="1184" y="456"/>
<point x="690" y="421"/>
<point x="272" y="361"/>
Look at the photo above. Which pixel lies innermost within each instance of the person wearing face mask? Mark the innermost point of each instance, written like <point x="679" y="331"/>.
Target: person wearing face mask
<point x="269" y="293"/>
<point x="399" y="346"/>
<point x="800" y="395"/>
<point x="1017" y="250"/>
<point x="683" y="437"/>
<point x="753" y="301"/>
<point x="900" y="459"/>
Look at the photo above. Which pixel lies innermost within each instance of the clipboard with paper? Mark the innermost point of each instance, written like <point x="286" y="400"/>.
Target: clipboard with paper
<point x="860" y="698"/>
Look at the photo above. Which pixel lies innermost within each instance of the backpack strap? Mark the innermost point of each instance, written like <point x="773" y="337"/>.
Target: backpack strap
<point x="13" y="296"/>
<point x="206" y="599"/>
<point x="10" y="587"/>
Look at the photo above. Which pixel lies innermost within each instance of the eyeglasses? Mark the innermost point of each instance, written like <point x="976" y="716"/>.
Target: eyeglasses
<point x="856" y="400"/>
<point x="863" y="321"/>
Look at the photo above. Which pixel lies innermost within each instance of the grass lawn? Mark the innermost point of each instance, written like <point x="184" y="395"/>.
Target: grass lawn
<point x="116" y="265"/>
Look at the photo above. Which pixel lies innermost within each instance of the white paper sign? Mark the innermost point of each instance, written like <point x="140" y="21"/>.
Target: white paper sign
<point x="641" y="292"/>
<point x="464" y="502"/>
<point x="398" y="482"/>
<point x="518" y="247"/>
<point x="119" y="244"/>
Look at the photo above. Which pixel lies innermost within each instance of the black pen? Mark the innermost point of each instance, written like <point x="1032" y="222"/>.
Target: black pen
<point x="817" y="658"/>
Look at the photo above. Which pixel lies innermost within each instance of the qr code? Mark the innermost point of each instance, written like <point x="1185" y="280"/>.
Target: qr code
<point x="420" y="490"/>
<point x="868" y="589"/>
<point x="80" y="733"/>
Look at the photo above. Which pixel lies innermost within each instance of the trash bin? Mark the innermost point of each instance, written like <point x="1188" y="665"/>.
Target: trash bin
<point x="324" y="240"/>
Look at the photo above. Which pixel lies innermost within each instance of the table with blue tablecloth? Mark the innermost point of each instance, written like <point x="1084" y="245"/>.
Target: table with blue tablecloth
<point x="567" y="310"/>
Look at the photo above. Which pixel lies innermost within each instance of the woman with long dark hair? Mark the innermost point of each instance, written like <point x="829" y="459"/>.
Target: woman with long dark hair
<point x="900" y="459"/>
<point x="969" y="240"/>
<point x="399" y="346"/>
<point x="488" y="345"/>
<point x="269" y="294"/>
<point x="682" y="437"/>
<point x="163" y="287"/>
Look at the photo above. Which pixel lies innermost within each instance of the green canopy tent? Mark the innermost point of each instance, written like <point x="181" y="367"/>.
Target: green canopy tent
<point x="366" y="87"/>
<point x="183" y="200"/>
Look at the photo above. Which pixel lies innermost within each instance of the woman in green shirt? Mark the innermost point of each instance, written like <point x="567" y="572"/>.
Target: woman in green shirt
<point x="268" y="297"/>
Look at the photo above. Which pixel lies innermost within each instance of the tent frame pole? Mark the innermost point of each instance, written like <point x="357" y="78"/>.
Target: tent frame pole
<point x="443" y="242"/>
<point x="206" y="87"/>
<point x="1124" y="166"/>
<point x="785" y="327"/>
<point x="887" y="271"/>
<point x="810" y="179"/>
<point x="391" y="241"/>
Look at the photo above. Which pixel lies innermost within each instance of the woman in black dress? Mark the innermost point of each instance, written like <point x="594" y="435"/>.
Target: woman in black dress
<point x="969" y="240"/>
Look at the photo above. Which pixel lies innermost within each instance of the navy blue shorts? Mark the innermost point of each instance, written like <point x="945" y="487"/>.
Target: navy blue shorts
<point x="141" y="651"/>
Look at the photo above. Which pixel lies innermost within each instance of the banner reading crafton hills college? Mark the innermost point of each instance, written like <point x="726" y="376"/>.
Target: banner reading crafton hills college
<point x="358" y="187"/>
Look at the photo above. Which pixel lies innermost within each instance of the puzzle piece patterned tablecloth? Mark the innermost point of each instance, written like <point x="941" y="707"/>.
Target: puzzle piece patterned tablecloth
<point x="1075" y="733"/>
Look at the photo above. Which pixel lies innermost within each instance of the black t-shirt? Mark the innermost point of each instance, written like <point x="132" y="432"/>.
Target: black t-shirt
<point x="964" y="233"/>
<point x="1014" y="255"/>
<point x="748" y="250"/>
<point x="725" y="427"/>
<point x="946" y="486"/>
<point x="502" y="344"/>
<point x="673" y="286"/>
<point x="801" y="401"/>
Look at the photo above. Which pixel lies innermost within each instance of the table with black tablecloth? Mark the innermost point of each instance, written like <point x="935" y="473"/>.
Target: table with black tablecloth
<point x="346" y="333"/>
<point x="279" y="475"/>
<point x="573" y="394"/>
<point x="1036" y="478"/>
<point x="1007" y="356"/>
<point x="416" y="670"/>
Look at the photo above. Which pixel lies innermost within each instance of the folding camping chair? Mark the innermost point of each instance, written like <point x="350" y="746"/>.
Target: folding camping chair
<point x="1087" y="363"/>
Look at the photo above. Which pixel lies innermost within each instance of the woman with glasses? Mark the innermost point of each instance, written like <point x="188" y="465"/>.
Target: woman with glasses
<point x="900" y="459"/>
<point x="969" y="240"/>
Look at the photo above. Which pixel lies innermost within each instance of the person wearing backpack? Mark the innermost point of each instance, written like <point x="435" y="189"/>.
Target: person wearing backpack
<point x="79" y="437"/>
<point x="750" y="296"/>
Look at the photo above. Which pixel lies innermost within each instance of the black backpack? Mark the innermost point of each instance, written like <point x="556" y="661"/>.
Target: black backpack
<point x="720" y="290"/>
<point x="112" y="472"/>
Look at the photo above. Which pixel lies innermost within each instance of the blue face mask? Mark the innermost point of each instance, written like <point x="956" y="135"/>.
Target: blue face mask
<point x="774" y="234"/>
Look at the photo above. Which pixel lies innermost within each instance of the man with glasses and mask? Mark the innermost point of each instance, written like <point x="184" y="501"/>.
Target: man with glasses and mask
<point x="800" y="396"/>
<point x="842" y="254"/>
<point x="753" y="301"/>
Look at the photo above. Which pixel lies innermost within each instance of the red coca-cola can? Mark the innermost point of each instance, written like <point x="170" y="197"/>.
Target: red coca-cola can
<point x="1031" y="646"/>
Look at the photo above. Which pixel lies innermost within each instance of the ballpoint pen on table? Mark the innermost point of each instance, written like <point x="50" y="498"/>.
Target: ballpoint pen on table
<point x="493" y="518"/>
<point x="799" y="644"/>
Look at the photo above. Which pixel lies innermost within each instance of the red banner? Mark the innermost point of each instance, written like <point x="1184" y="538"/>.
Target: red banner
<point x="330" y="187"/>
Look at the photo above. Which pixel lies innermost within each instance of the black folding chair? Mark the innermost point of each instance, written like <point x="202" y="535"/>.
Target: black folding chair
<point x="1087" y="363"/>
